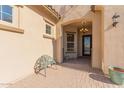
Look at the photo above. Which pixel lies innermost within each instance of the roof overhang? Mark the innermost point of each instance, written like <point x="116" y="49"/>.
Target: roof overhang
<point x="46" y="12"/>
<point x="52" y="11"/>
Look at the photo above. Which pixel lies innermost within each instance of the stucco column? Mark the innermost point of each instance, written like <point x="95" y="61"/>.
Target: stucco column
<point x="96" y="39"/>
<point x="59" y="43"/>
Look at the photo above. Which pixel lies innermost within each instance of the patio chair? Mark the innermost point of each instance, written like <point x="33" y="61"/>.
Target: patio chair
<point x="43" y="62"/>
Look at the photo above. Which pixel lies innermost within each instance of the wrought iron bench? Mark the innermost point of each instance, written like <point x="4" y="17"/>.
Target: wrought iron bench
<point x="43" y="62"/>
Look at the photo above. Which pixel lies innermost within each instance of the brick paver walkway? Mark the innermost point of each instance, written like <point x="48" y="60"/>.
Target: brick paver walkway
<point x="71" y="74"/>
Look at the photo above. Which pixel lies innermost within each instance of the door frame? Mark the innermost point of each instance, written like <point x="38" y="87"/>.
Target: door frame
<point x="83" y="45"/>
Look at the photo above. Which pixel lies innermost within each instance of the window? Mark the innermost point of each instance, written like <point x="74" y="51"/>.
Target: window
<point x="70" y="46"/>
<point x="6" y="13"/>
<point x="0" y="12"/>
<point x="48" y="29"/>
<point x="70" y="42"/>
<point x="70" y="37"/>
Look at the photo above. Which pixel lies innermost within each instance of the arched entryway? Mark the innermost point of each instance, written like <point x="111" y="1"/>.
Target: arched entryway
<point x="72" y="28"/>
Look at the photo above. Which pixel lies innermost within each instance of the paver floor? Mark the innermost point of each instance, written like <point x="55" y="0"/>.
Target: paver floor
<point x="75" y="73"/>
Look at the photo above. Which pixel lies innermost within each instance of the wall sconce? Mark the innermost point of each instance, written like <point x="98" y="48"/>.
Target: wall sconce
<point x="115" y="19"/>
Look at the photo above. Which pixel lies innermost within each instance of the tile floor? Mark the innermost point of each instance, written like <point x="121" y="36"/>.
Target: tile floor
<point x="75" y="73"/>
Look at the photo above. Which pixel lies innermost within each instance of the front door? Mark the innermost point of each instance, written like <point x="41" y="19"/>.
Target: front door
<point x="86" y="45"/>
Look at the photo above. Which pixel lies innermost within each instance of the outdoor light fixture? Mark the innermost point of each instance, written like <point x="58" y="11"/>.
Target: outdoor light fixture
<point x="83" y="28"/>
<point x="115" y="19"/>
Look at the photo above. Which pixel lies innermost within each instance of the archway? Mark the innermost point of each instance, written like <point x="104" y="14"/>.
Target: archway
<point x="95" y="19"/>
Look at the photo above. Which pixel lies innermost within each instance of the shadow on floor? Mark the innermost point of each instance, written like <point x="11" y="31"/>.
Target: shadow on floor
<point x="77" y="64"/>
<point x="101" y="78"/>
<point x="81" y="64"/>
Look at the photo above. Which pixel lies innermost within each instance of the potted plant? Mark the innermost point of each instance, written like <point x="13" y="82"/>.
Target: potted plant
<point x="117" y="75"/>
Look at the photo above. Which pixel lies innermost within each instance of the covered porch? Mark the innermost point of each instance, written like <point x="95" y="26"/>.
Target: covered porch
<point x="75" y="30"/>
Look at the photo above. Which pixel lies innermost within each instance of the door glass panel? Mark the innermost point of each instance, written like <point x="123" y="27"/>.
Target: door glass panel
<point x="87" y="43"/>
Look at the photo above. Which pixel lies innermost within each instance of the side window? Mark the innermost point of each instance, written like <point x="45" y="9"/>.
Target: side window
<point x="70" y="42"/>
<point x="6" y="13"/>
<point x="48" y="29"/>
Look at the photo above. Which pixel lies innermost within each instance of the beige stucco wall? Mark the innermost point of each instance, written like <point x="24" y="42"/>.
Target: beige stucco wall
<point x="76" y="13"/>
<point x="113" y="37"/>
<point x="19" y="52"/>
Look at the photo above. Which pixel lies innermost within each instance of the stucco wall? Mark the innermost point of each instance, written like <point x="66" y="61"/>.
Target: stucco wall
<point x="19" y="52"/>
<point x="113" y="37"/>
<point x="76" y="12"/>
